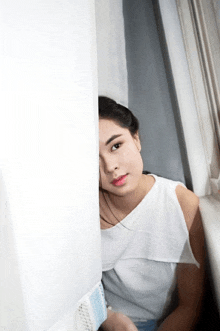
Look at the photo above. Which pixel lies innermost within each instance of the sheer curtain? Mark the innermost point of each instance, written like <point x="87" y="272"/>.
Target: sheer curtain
<point x="49" y="229"/>
<point x="194" y="92"/>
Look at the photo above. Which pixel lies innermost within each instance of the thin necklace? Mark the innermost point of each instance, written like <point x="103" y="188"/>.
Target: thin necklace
<point x="108" y="208"/>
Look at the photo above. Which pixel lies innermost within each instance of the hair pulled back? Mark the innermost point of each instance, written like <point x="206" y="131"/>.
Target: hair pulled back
<point x="109" y="109"/>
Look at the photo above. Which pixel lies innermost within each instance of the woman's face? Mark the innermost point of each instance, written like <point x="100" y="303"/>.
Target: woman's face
<point x="120" y="161"/>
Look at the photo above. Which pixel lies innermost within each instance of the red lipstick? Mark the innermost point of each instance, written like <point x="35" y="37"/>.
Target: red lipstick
<point x="119" y="181"/>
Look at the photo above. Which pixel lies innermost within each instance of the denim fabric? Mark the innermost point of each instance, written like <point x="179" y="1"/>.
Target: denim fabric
<point x="150" y="325"/>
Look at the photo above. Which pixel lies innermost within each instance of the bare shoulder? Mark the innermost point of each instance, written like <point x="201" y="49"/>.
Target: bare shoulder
<point x="189" y="203"/>
<point x="186" y="196"/>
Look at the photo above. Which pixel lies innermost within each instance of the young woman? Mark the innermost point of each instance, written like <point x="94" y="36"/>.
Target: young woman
<point x="152" y="237"/>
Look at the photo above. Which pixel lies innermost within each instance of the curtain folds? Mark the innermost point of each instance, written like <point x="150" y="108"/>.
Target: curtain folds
<point x="49" y="228"/>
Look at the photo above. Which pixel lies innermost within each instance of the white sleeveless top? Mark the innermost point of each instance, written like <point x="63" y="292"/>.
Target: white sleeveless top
<point x="140" y="254"/>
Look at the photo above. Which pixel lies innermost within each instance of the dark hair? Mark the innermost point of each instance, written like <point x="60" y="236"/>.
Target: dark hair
<point x="109" y="109"/>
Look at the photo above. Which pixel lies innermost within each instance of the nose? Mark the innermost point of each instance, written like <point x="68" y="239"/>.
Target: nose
<point x="110" y="164"/>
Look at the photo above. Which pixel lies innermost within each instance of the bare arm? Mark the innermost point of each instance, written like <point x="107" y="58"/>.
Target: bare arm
<point x="190" y="279"/>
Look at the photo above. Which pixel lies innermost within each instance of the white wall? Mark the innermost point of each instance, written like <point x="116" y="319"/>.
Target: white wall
<point x="131" y="71"/>
<point x="112" y="66"/>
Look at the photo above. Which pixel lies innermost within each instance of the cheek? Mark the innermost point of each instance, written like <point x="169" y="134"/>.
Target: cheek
<point x="136" y="161"/>
<point x="132" y="155"/>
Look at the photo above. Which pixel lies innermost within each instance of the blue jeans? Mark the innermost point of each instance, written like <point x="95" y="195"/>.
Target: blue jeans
<point x="150" y="325"/>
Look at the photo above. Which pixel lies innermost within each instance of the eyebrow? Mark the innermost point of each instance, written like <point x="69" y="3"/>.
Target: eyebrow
<point x="112" y="138"/>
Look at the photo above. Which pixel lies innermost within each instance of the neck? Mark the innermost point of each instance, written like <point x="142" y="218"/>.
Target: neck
<point x="125" y="204"/>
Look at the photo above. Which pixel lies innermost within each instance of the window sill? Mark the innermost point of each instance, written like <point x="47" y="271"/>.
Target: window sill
<point x="210" y="211"/>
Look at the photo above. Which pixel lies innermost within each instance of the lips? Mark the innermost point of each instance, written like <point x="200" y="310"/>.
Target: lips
<point x="120" y="180"/>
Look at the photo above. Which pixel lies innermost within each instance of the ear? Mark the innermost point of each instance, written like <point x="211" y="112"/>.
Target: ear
<point x="137" y="141"/>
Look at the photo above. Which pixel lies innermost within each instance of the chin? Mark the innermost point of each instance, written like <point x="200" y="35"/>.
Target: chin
<point x="123" y="191"/>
